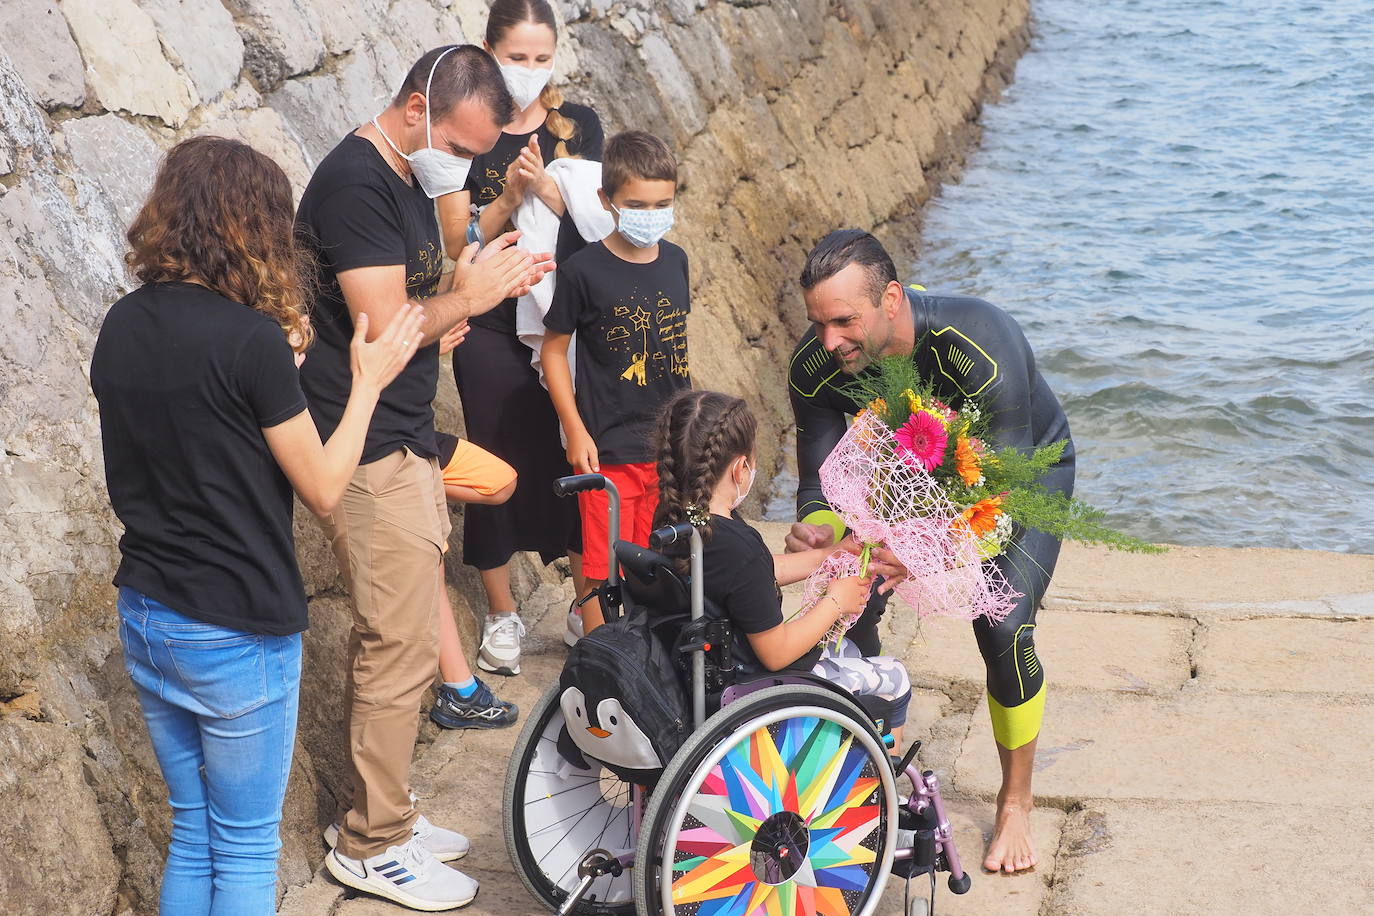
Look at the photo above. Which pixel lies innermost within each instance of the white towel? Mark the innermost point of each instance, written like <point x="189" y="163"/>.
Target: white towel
<point x="578" y="181"/>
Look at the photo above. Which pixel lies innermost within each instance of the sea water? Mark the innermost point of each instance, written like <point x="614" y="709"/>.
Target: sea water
<point x="1176" y="201"/>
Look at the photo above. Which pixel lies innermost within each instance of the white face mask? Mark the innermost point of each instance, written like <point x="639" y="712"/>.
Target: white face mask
<point x="741" y="497"/>
<point x="644" y="228"/>
<point x="438" y="172"/>
<point x="525" y="83"/>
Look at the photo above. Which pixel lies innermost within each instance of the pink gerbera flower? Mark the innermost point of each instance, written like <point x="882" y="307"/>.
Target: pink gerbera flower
<point x="923" y="439"/>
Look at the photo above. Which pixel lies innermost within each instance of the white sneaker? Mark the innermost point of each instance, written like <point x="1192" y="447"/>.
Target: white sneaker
<point x="573" y="632"/>
<point x="444" y="845"/>
<point x="500" y="651"/>
<point x="408" y="875"/>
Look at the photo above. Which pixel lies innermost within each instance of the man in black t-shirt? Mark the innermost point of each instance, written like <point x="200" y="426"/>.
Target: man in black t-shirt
<point x="369" y="215"/>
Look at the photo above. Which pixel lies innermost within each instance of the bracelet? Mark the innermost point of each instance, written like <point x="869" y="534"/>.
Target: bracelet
<point x="838" y="606"/>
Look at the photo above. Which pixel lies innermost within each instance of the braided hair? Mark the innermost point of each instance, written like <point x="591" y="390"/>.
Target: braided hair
<point x="697" y="436"/>
<point x="501" y="18"/>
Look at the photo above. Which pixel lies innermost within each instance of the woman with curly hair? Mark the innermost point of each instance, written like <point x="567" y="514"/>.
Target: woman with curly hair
<point x="205" y="435"/>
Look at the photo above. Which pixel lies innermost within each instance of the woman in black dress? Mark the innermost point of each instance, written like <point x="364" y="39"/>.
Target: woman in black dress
<point x="506" y="409"/>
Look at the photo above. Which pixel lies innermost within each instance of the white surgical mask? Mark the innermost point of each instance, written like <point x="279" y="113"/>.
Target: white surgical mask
<point x="438" y="172"/>
<point x="644" y="228"/>
<point x="525" y="83"/>
<point x="741" y="497"/>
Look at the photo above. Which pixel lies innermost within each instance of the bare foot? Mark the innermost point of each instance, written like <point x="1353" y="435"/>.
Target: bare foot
<point x="1011" y="850"/>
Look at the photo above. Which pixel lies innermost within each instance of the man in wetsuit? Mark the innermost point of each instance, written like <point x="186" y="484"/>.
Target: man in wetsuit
<point x="968" y="349"/>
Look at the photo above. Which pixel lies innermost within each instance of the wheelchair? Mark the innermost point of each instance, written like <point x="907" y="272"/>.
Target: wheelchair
<point x="783" y="800"/>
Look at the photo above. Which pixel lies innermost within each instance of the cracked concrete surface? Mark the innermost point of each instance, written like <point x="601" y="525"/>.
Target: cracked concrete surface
<point x="1160" y="790"/>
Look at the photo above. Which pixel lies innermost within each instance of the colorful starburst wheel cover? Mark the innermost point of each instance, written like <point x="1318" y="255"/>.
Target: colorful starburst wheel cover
<point x="788" y="823"/>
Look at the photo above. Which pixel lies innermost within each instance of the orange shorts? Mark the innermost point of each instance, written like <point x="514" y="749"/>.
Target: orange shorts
<point x="638" y="487"/>
<point x="472" y="466"/>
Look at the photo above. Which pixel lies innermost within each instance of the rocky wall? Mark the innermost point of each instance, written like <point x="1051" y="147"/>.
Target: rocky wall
<point x="792" y="118"/>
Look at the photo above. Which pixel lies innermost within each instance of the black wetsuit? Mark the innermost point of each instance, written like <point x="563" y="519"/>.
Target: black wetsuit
<point x="967" y="348"/>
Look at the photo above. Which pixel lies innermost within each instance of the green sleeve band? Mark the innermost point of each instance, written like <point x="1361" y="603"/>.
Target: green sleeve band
<point x="826" y="517"/>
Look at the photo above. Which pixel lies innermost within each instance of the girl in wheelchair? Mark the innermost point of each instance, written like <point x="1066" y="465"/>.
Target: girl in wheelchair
<point x="706" y="465"/>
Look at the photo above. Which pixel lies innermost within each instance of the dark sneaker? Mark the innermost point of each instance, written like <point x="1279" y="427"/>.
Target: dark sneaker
<point x="481" y="710"/>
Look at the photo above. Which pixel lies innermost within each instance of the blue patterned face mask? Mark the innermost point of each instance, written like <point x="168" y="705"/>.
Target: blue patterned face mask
<point x="644" y="228"/>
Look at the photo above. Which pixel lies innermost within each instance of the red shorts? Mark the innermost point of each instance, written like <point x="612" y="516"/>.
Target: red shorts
<point x="638" y="486"/>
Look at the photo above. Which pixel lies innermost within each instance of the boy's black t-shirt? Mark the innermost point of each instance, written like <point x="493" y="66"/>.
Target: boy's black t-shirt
<point x="631" y="325"/>
<point x="487" y="180"/>
<point x="357" y="212"/>
<point x="740" y="582"/>
<point x="186" y="381"/>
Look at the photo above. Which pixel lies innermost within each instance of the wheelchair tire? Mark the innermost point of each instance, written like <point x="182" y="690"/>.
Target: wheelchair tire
<point x="555" y="813"/>
<point x="784" y="799"/>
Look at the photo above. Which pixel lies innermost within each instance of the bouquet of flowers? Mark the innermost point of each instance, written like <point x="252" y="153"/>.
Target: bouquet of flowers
<point x="919" y="477"/>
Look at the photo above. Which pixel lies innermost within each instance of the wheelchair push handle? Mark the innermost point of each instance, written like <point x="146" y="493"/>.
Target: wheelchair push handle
<point x="585" y="483"/>
<point x="578" y="483"/>
<point x="670" y="534"/>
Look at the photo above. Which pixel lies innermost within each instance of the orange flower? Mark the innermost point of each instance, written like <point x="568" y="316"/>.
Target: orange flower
<point x="981" y="517"/>
<point x="966" y="462"/>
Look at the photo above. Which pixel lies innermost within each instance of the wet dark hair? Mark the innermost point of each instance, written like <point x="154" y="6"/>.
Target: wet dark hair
<point x="466" y="72"/>
<point x="220" y="213"/>
<point x="843" y="247"/>
<point x="635" y="154"/>
<point x="697" y="435"/>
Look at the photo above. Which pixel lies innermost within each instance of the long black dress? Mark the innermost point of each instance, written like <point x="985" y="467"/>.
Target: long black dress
<point x="506" y="410"/>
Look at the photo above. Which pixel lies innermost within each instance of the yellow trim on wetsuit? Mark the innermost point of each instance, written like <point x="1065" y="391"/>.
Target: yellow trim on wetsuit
<point x="1017" y="725"/>
<point x="827" y="517"/>
<point x="916" y="286"/>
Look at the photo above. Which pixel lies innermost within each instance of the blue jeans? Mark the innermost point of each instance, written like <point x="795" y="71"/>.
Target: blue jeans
<point x="221" y="711"/>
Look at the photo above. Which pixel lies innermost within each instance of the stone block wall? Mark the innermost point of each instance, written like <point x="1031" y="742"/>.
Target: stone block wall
<point x="792" y="117"/>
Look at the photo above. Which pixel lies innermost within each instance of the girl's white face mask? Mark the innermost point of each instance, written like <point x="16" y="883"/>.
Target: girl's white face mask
<point x="525" y="83"/>
<point x="741" y="497"/>
<point x="438" y="172"/>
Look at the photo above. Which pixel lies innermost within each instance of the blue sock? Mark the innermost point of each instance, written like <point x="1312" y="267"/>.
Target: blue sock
<point x="465" y="689"/>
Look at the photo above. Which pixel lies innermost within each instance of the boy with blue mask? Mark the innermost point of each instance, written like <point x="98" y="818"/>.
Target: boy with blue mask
<point x="626" y="298"/>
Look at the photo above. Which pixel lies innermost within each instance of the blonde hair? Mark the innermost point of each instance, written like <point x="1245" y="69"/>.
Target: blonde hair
<point x="560" y="125"/>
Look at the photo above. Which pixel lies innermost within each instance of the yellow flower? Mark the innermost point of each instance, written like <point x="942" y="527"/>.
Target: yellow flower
<point x="912" y="402"/>
<point x="878" y="406"/>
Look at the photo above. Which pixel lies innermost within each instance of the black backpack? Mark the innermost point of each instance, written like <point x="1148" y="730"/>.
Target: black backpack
<point x="623" y="699"/>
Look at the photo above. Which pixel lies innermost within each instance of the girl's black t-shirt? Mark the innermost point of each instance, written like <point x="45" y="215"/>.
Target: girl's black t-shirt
<point x="487" y="180"/>
<point x="739" y="582"/>
<point x="186" y="381"/>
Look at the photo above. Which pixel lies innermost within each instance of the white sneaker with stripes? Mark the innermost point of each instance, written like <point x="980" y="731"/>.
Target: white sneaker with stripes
<point x="408" y="875"/>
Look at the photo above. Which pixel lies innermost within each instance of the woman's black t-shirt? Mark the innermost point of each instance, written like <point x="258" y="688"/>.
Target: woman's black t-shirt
<point x="739" y="582"/>
<point x="186" y="381"/>
<point x="357" y="212"/>
<point x="487" y="180"/>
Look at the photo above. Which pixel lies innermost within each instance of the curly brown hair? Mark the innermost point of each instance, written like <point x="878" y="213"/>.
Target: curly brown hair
<point x="697" y="436"/>
<point x="221" y="214"/>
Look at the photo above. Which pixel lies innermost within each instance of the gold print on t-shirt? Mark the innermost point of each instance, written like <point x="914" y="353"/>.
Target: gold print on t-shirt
<point x="658" y="330"/>
<point x="672" y="335"/>
<point x="424" y="282"/>
<point x="488" y="191"/>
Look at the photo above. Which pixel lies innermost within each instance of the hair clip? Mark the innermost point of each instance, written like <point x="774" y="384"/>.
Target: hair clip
<point x="698" y="516"/>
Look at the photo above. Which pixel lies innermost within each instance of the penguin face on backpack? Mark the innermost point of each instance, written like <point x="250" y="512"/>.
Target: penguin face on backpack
<point x="606" y="732"/>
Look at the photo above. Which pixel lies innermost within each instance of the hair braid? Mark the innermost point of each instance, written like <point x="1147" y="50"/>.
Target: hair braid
<point x="698" y="434"/>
